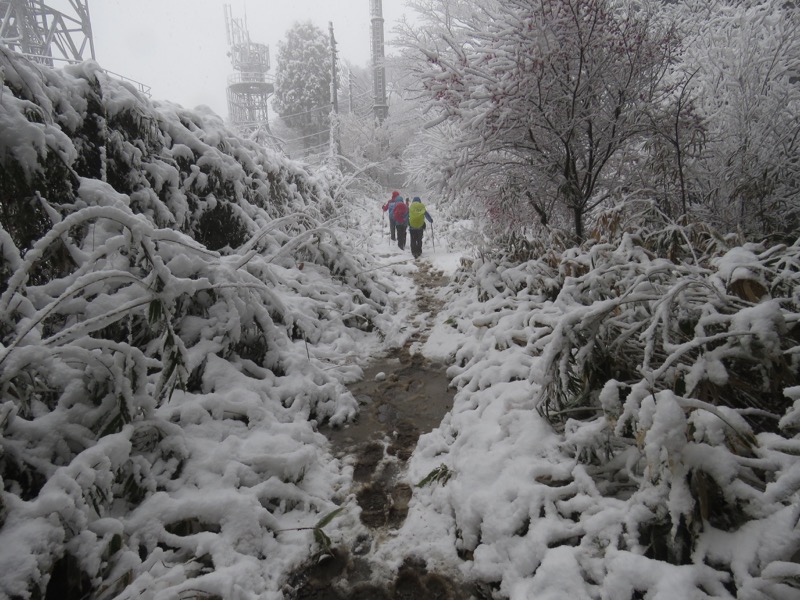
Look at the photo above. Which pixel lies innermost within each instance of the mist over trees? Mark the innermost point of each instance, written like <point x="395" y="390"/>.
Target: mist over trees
<point x="364" y="139"/>
<point x="543" y="113"/>
<point x="303" y="83"/>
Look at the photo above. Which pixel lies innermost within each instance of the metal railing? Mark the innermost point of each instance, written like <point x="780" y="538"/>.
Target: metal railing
<point x="249" y="77"/>
<point x="141" y="87"/>
<point x="49" y="60"/>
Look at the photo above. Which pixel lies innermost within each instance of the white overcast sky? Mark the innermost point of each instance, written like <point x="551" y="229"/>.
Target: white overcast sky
<point x="179" y="47"/>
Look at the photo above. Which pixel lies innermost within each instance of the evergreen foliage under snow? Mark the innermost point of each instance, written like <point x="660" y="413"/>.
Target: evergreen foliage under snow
<point x="176" y="316"/>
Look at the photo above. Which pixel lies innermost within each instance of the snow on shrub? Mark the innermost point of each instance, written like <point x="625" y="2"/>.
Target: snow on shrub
<point x="173" y="316"/>
<point x="664" y="361"/>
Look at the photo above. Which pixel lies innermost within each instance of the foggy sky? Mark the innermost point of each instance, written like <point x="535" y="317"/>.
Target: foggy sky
<point x="179" y="47"/>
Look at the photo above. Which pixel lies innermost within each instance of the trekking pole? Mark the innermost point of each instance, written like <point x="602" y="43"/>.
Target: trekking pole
<point x="383" y="224"/>
<point x="433" y="239"/>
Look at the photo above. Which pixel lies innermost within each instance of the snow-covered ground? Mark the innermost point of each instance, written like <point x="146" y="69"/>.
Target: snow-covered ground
<point x="510" y="501"/>
<point x="182" y="320"/>
<point x="173" y="451"/>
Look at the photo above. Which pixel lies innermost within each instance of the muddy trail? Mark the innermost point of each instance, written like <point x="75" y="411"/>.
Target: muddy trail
<point x="401" y="396"/>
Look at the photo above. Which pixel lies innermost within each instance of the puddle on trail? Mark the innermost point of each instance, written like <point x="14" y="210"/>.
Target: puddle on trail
<point x="394" y="412"/>
<point x="409" y="399"/>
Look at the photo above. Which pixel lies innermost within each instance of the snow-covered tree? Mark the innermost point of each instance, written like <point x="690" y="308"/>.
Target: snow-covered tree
<point x="744" y="58"/>
<point x="377" y="145"/>
<point x="303" y="82"/>
<point x="549" y="96"/>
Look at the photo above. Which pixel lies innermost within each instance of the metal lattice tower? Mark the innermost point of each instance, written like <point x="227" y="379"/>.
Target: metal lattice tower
<point x="47" y="34"/>
<point x="249" y="87"/>
<point x="380" y="105"/>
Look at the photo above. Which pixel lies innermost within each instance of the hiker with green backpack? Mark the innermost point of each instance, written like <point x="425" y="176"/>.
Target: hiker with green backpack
<point x="417" y="215"/>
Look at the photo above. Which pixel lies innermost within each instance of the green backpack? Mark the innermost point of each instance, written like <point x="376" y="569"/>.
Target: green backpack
<point x="416" y="215"/>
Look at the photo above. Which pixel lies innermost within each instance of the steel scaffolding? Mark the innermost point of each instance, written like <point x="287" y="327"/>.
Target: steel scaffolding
<point x="250" y="86"/>
<point x="46" y="34"/>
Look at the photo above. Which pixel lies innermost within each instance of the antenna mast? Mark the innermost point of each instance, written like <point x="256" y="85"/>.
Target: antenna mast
<point x="380" y="105"/>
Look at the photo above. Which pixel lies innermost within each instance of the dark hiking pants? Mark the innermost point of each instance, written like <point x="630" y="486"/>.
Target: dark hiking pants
<point x="401" y="236"/>
<point x="416" y="240"/>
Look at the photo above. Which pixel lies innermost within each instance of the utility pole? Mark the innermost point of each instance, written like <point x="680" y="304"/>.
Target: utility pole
<point x="334" y="76"/>
<point x="334" y="134"/>
<point x="350" y="91"/>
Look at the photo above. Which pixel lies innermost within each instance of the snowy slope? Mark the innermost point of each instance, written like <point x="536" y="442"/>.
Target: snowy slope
<point x="625" y="426"/>
<point x="178" y="312"/>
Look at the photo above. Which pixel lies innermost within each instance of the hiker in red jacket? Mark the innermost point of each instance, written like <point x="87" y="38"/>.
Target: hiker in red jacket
<point x="400" y="214"/>
<point x="389" y="207"/>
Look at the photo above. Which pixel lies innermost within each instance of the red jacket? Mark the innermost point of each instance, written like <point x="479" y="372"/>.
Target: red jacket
<point x="395" y="194"/>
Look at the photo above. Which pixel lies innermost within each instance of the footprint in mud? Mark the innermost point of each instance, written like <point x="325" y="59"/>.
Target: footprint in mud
<point x="396" y="410"/>
<point x="382" y="507"/>
<point x="409" y="401"/>
<point x="369" y="456"/>
<point x="412" y="582"/>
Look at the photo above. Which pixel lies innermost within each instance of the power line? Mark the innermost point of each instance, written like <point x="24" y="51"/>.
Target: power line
<point x="305" y="112"/>
<point x="314" y="134"/>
